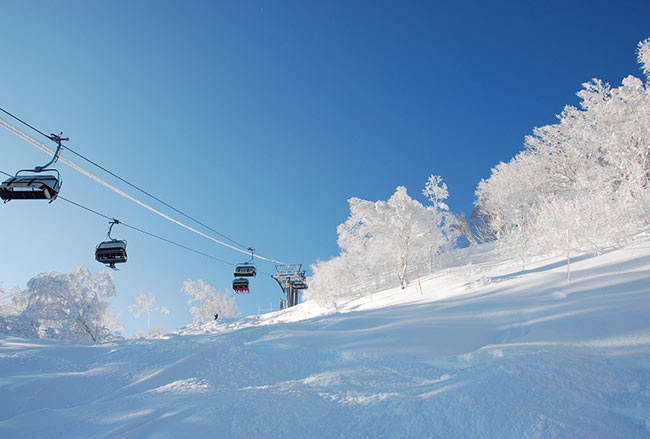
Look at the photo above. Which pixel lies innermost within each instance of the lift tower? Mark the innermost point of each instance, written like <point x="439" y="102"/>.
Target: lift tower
<point x="291" y="279"/>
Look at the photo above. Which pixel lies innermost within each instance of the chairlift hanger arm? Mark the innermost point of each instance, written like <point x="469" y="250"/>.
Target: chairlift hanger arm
<point x="110" y="228"/>
<point x="58" y="139"/>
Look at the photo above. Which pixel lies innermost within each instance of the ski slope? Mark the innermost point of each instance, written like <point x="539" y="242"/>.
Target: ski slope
<point x="484" y="351"/>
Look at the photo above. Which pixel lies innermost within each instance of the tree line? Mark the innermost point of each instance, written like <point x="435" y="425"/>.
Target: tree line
<point x="75" y="306"/>
<point x="579" y="185"/>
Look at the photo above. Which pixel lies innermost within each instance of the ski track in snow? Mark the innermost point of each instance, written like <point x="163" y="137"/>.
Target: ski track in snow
<point x="487" y="351"/>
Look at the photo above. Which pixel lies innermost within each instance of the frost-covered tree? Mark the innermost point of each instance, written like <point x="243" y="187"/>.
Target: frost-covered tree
<point x="334" y="279"/>
<point x="643" y="52"/>
<point x="580" y="184"/>
<point x="10" y="301"/>
<point x="210" y="301"/>
<point x="65" y="306"/>
<point x="380" y="242"/>
<point x="476" y="229"/>
<point x="144" y="304"/>
<point x="442" y="233"/>
<point x="436" y="191"/>
<point x="386" y="232"/>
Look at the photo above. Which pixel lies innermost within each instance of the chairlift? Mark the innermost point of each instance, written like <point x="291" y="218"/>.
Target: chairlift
<point x="247" y="269"/>
<point x="37" y="183"/>
<point x="31" y="186"/>
<point x="240" y="285"/>
<point x="299" y="285"/>
<point x="113" y="251"/>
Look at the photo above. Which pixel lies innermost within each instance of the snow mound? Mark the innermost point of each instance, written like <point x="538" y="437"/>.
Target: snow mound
<point x="191" y="385"/>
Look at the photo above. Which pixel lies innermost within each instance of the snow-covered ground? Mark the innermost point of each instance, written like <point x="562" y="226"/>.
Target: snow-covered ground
<point x="484" y="350"/>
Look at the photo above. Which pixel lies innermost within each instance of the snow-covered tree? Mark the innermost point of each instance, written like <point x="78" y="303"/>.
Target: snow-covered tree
<point x="144" y="304"/>
<point x="65" y="306"/>
<point x="476" y="229"/>
<point x="385" y="232"/>
<point x="210" y="301"/>
<point x="10" y="301"/>
<point x="436" y="191"/>
<point x="381" y="242"/>
<point x="643" y="52"/>
<point x="441" y="235"/>
<point x="581" y="184"/>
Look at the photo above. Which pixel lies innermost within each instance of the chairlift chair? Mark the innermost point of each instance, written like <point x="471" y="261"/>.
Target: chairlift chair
<point x="36" y="184"/>
<point x="112" y="251"/>
<point x="299" y="285"/>
<point x="33" y="186"/>
<point x="240" y="285"/>
<point x="248" y="268"/>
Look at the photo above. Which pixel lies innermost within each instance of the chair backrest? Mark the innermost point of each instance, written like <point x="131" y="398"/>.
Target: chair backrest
<point x="245" y="270"/>
<point x="30" y="187"/>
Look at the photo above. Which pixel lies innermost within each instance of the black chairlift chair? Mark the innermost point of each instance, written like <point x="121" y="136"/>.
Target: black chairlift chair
<point x="299" y="285"/>
<point x="113" y="251"/>
<point x="35" y="184"/>
<point x="31" y="187"/>
<point x="247" y="269"/>
<point x="240" y="285"/>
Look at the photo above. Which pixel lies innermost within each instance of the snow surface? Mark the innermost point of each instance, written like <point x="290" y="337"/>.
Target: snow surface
<point x="485" y="350"/>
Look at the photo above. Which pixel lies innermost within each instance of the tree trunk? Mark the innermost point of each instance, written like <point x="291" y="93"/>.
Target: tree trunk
<point x="405" y="264"/>
<point x="87" y="329"/>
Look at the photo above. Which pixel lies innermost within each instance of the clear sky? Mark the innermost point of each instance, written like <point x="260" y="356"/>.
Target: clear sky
<point x="261" y="118"/>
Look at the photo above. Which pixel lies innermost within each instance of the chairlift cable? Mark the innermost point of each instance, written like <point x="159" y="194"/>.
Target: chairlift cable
<point x="87" y="208"/>
<point x="127" y="182"/>
<point x="155" y="198"/>
<point x="25" y="123"/>
<point x="146" y="232"/>
<point x="89" y="174"/>
<point x="153" y="235"/>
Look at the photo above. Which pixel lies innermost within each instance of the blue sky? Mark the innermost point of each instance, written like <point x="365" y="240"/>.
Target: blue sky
<point x="262" y="118"/>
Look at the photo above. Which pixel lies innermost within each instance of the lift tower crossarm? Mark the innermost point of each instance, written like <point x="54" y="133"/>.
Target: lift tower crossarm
<point x="291" y="279"/>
